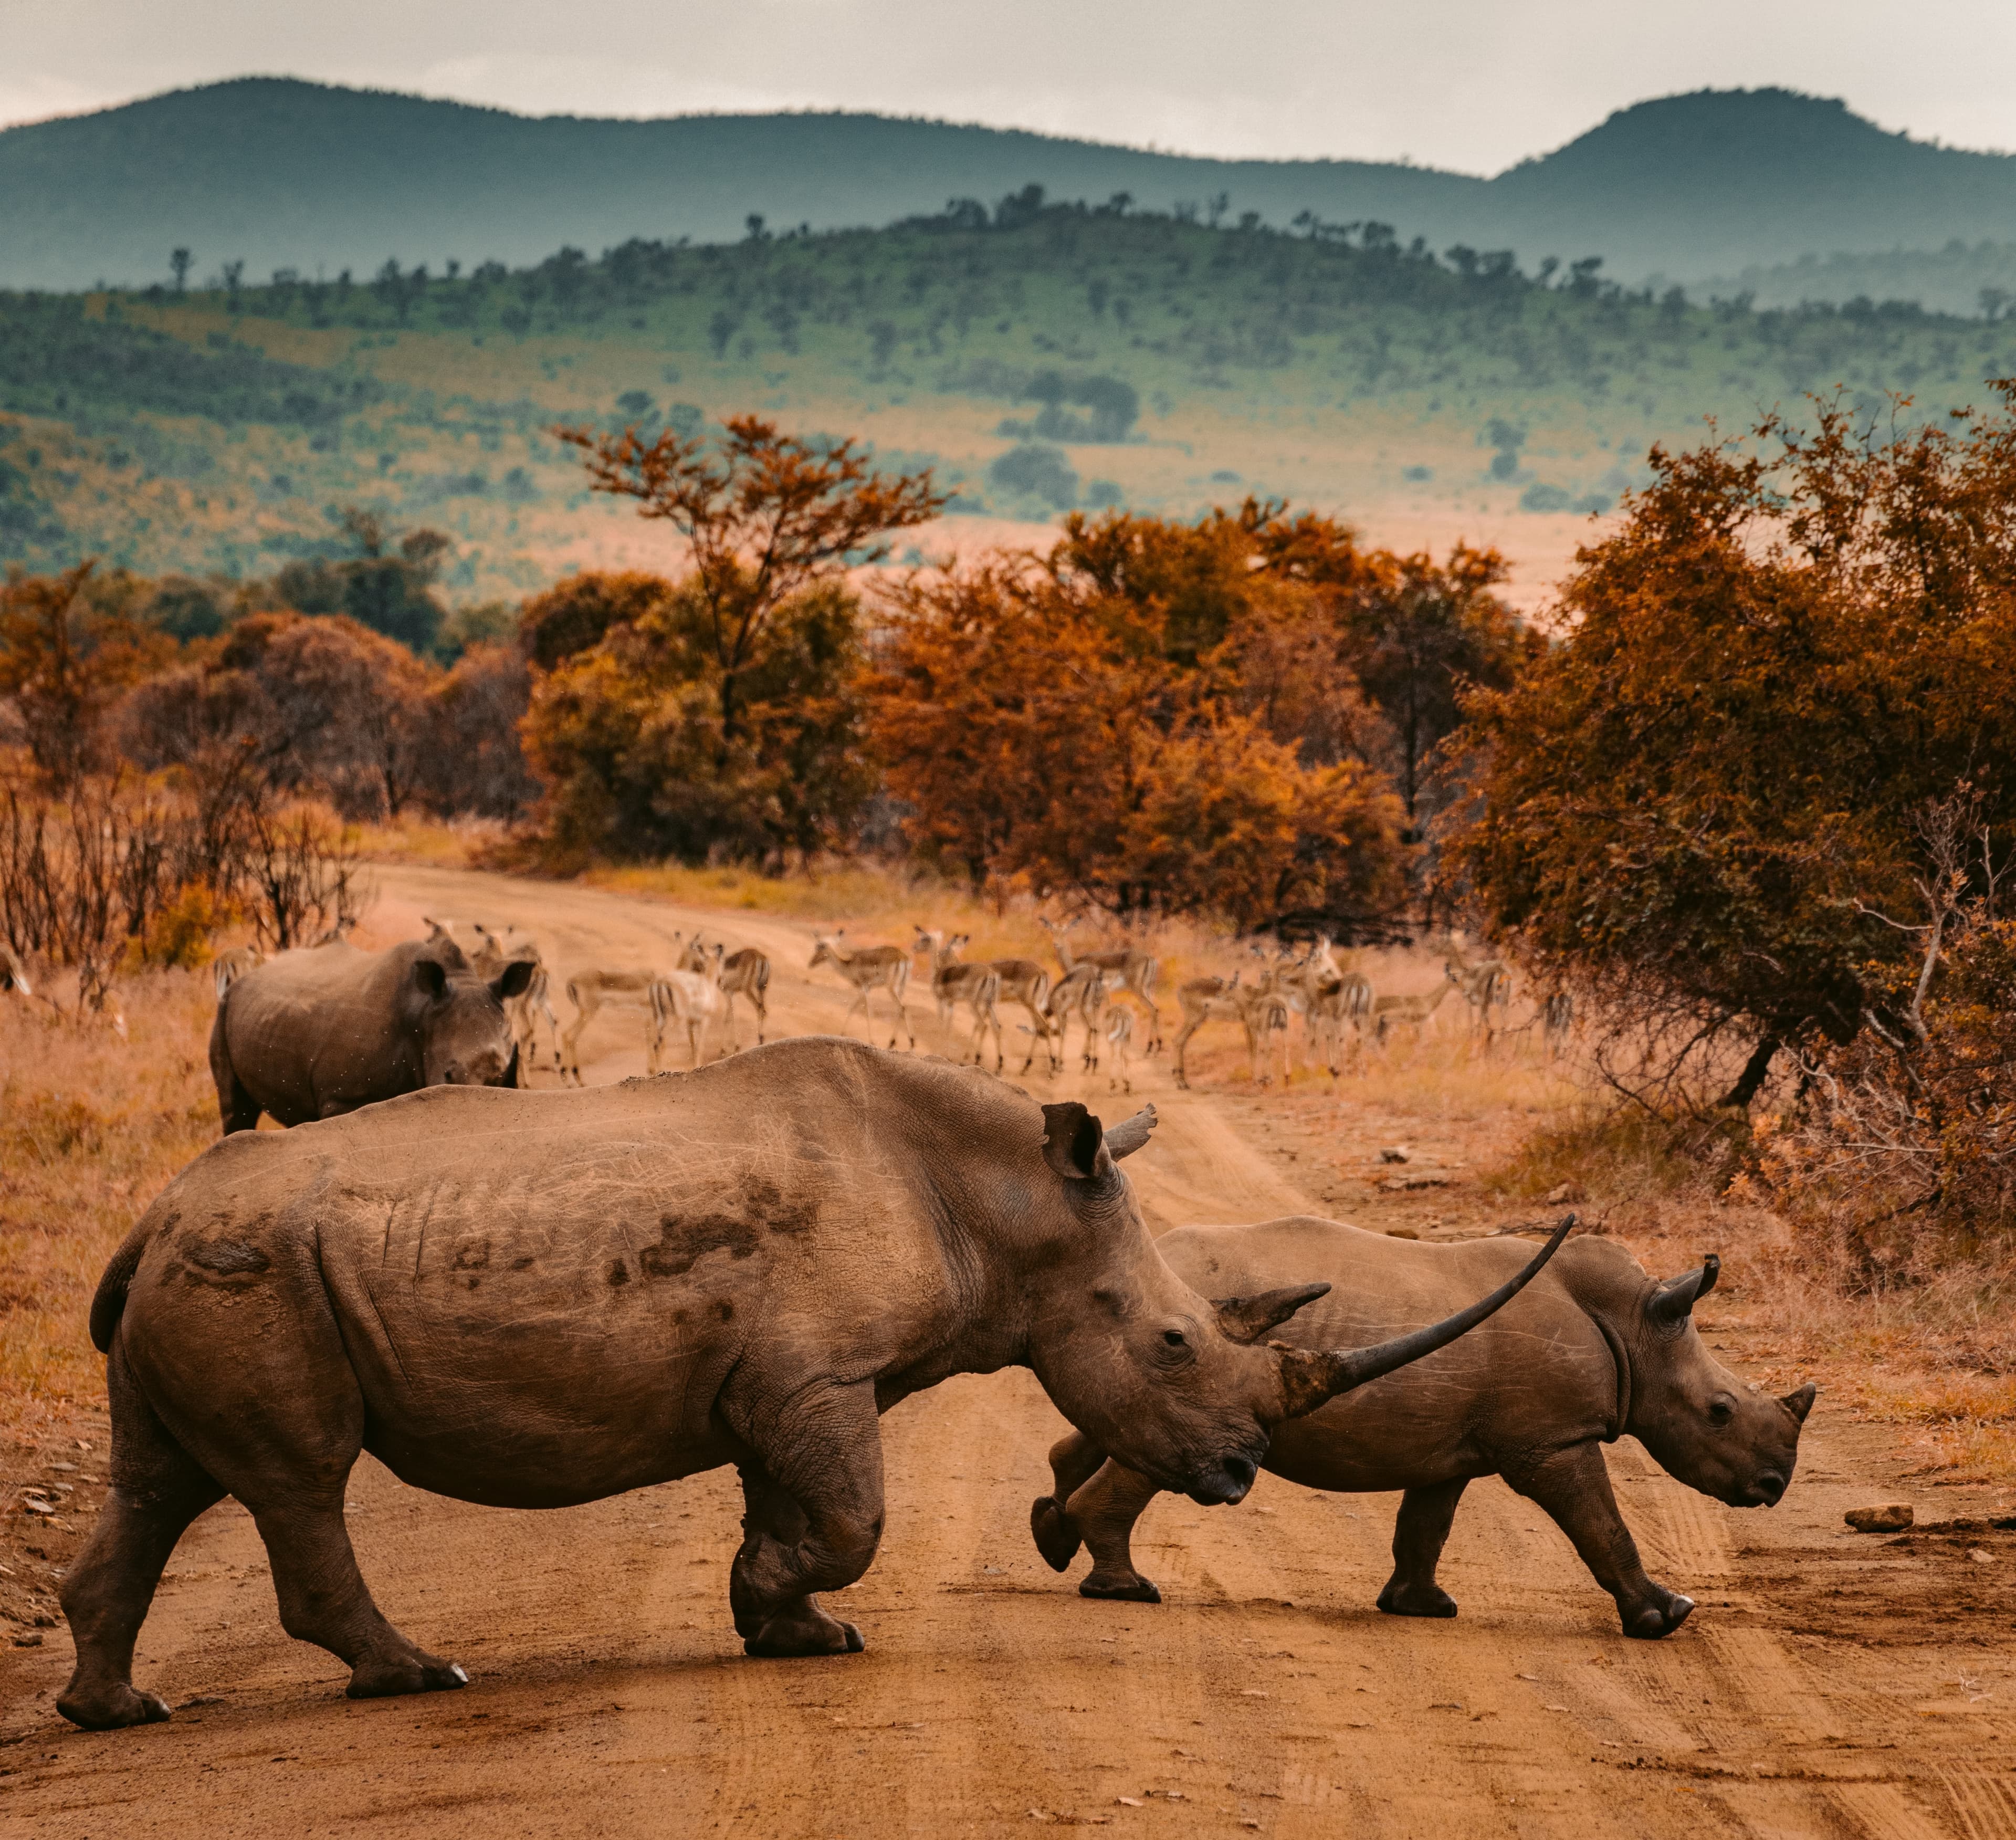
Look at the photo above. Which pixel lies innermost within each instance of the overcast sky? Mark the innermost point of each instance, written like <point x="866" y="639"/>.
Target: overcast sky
<point x="1470" y="85"/>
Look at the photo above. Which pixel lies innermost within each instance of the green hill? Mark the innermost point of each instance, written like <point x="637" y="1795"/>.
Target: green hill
<point x="276" y="173"/>
<point x="1042" y="356"/>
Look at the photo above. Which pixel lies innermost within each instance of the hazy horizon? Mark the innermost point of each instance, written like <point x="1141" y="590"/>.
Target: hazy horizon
<point x="1326" y="81"/>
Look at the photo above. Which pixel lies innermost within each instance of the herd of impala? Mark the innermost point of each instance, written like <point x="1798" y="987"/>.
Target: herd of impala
<point x="1109" y="995"/>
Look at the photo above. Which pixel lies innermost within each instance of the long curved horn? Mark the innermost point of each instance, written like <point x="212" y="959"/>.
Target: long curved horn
<point x="1308" y="1381"/>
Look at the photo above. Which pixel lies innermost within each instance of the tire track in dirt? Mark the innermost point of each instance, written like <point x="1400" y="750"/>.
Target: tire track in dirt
<point x="1266" y="1695"/>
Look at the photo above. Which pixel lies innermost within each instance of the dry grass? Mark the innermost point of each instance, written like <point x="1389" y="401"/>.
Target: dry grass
<point x="466" y="843"/>
<point x="863" y="897"/>
<point x="91" y="1128"/>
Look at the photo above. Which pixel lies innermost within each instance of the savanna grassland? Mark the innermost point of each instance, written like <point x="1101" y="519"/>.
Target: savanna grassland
<point x="1039" y="357"/>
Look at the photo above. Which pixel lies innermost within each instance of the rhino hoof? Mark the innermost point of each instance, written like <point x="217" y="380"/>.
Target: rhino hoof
<point x="789" y="1635"/>
<point x="113" y="1706"/>
<point x="1416" y="1600"/>
<point x="1056" y="1533"/>
<point x="1656" y="1620"/>
<point x="405" y="1673"/>
<point x="1129" y="1587"/>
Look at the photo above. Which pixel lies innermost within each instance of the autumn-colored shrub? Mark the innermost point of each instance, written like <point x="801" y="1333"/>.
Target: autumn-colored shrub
<point x="1152" y="718"/>
<point x="718" y="717"/>
<point x="1691" y="805"/>
<point x="630" y="736"/>
<point x="63" y="662"/>
<point x="472" y="760"/>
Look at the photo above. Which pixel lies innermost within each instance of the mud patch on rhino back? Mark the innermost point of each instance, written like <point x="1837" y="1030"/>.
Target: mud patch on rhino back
<point x="684" y="1239"/>
<point x="222" y="1257"/>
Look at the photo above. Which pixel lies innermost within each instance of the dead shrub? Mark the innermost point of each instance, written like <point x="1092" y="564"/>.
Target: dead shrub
<point x="118" y="871"/>
<point x="1901" y="1160"/>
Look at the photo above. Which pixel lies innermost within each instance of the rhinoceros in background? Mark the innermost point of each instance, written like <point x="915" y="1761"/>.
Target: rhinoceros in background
<point x="1595" y="1349"/>
<point x="534" y="1299"/>
<point x="316" y="1033"/>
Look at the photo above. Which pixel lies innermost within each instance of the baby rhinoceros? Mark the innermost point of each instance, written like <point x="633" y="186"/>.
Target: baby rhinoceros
<point x="1593" y="1348"/>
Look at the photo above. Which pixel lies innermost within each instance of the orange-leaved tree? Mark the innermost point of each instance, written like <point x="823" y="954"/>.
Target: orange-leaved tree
<point x="628" y="730"/>
<point x="1132" y="718"/>
<point x="63" y="662"/>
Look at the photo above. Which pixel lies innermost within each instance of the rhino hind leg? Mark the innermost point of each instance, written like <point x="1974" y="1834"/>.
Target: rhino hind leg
<point x="278" y="1420"/>
<point x="812" y="1521"/>
<point x="1104" y="1510"/>
<point x="236" y="1109"/>
<point x="157" y="1489"/>
<point x="1573" y="1485"/>
<point x="1418" y="1536"/>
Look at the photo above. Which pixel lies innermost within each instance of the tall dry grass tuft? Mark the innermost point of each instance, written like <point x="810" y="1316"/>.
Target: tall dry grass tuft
<point x="91" y="1127"/>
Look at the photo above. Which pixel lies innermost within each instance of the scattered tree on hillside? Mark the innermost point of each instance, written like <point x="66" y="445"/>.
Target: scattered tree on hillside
<point x="1693" y="802"/>
<point x="388" y="586"/>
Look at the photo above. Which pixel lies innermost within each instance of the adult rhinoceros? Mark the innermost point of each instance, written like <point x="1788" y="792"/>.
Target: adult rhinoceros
<point x="316" y="1033"/>
<point x="1596" y="1349"/>
<point x="533" y="1299"/>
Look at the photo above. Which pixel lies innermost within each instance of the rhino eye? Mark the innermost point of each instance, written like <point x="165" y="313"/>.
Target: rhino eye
<point x="1721" y="1413"/>
<point x="1174" y="1338"/>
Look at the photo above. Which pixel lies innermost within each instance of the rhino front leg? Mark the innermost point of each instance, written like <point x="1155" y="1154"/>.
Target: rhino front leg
<point x="1573" y="1485"/>
<point x="1104" y="1510"/>
<point x="812" y="1520"/>
<point x="1074" y="1460"/>
<point x="1418" y="1536"/>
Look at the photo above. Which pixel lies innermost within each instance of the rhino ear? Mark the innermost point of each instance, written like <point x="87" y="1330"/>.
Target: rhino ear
<point x="513" y="981"/>
<point x="1673" y="1302"/>
<point x="1800" y="1401"/>
<point x="1247" y="1318"/>
<point x="430" y="977"/>
<point x="1074" y="1144"/>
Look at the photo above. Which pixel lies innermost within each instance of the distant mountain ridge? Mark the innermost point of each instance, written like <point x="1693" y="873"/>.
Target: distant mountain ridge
<point x="277" y="172"/>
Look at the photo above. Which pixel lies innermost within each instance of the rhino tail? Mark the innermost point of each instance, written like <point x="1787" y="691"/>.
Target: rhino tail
<point x="108" y="1305"/>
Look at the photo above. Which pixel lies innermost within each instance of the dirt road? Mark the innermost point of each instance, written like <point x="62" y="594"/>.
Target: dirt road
<point x="1829" y="1685"/>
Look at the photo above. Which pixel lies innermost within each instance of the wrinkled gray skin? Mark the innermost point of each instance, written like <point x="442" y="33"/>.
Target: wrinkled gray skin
<point x="316" y="1033"/>
<point x="533" y="1299"/>
<point x="1594" y="1350"/>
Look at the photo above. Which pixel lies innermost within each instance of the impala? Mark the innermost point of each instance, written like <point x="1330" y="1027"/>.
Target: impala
<point x="1259" y="1008"/>
<point x="867" y="968"/>
<point x="1126" y="969"/>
